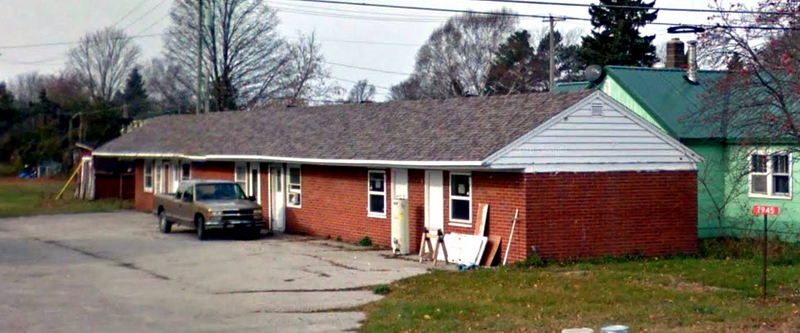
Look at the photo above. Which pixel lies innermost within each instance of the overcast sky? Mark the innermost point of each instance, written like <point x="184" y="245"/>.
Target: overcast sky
<point x="379" y="39"/>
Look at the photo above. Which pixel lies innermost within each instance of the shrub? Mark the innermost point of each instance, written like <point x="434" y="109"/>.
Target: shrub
<point x="533" y="260"/>
<point x="366" y="241"/>
<point x="381" y="289"/>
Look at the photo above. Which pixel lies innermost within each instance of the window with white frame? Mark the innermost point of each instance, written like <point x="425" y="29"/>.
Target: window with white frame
<point x="159" y="185"/>
<point x="376" y="205"/>
<point x="240" y="175"/>
<point x="186" y="171"/>
<point x="460" y="197"/>
<point x="148" y="176"/>
<point x="770" y="175"/>
<point x="293" y="187"/>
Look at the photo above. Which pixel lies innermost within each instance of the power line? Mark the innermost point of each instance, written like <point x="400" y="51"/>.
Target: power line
<point x="366" y="68"/>
<point x="672" y="9"/>
<point x="23" y="46"/>
<point x="351" y="81"/>
<point x="129" y="13"/>
<point x="461" y="11"/>
<point x="145" y="14"/>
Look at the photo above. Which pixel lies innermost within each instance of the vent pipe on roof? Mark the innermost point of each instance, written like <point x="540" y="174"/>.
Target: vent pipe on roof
<point x="691" y="73"/>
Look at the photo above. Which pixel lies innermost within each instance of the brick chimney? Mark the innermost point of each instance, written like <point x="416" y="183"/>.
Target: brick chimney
<point x="676" y="57"/>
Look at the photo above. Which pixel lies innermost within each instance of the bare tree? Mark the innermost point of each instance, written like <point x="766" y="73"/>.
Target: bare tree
<point x="361" y="92"/>
<point x="757" y="100"/>
<point x="245" y="59"/>
<point x="102" y="60"/>
<point x="26" y="87"/>
<point x="169" y="95"/>
<point x="752" y="108"/>
<point x="455" y="60"/>
<point x="306" y="74"/>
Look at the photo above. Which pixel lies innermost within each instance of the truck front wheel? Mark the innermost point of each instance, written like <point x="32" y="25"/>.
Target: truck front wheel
<point x="200" y="222"/>
<point x="164" y="225"/>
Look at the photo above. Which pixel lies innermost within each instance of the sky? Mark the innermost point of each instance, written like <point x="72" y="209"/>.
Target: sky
<point x="383" y="42"/>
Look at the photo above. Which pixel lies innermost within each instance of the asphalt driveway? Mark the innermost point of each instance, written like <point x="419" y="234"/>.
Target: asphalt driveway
<point x="108" y="272"/>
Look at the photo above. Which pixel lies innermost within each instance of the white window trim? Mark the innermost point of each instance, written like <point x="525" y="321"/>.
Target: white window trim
<point x="769" y="174"/>
<point x="288" y="184"/>
<point x="454" y="221"/>
<point x="254" y="166"/>
<point x="369" y="193"/>
<point x="151" y="163"/>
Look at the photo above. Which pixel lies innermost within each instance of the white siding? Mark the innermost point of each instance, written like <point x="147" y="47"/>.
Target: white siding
<point x="580" y="140"/>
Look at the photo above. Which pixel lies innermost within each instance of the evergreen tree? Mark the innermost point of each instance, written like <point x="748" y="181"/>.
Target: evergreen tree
<point x="615" y="39"/>
<point x="134" y="98"/>
<point x="516" y="67"/>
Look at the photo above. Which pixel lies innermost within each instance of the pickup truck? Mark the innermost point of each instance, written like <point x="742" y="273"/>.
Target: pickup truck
<point x="208" y="204"/>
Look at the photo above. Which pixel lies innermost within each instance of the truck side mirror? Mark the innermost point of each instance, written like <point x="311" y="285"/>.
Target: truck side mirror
<point x="251" y="198"/>
<point x="188" y="197"/>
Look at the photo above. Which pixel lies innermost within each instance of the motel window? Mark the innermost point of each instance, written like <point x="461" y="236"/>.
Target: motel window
<point x="377" y="193"/>
<point x="293" y="187"/>
<point x="148" y="176"/>
<point x="186" y="171"/>
<point x="240" y="175"/>
<point x="770" y="175"/>
<point x="460" y="198"/>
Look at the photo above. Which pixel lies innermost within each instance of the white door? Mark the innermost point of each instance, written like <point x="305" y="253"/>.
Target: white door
<point x="176" y="177"/>
<point x="400" y="230"/>
<point x="277" y="198"/>
<point x="434" y="199"/>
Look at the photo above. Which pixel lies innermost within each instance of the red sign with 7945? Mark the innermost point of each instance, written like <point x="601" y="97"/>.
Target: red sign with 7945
<point x="766" y="210"/>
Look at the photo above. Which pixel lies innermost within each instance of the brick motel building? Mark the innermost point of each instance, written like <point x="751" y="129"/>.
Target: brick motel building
<point x="588" y="176"/>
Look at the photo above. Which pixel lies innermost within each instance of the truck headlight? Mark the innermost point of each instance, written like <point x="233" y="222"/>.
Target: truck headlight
<point x="257" y="212"/>
<point x="215" y="213"/>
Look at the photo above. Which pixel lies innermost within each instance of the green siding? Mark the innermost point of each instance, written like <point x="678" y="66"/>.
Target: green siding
<point x="613" y="89"/>
<point x="740" y="220"/>
<point x="723" y="202"/>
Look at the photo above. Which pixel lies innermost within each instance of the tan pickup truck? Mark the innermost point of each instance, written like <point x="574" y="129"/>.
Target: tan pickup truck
<point x="209" y="204"/>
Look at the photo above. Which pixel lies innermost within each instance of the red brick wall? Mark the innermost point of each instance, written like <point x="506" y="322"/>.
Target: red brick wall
<point x="334" y="204"/>
<point x="200" y="170"/>
<point x="142" y="200"/>
<point x="213" y="170"/>
<point x="596" y="214"/>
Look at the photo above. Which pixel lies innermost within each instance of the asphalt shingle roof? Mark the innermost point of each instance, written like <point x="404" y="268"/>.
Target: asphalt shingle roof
<point x="455" y="129"/>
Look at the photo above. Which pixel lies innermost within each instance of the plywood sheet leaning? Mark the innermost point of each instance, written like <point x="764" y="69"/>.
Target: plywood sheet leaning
<point x="491" y="250"/>
<point x="481" y="229"/>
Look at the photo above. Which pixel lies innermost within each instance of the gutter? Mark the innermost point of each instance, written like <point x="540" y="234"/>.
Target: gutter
<point x="348" y="162"/>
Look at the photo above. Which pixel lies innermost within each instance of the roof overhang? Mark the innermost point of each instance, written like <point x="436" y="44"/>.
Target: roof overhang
<point x="279" y="159"/>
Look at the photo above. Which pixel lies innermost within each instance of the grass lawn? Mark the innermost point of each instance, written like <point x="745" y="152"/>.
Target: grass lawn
<point x="36" y="196"/>
<point x="681" y="294"/>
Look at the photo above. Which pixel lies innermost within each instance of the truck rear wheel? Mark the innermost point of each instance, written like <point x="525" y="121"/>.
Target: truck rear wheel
<point x="164" y="225"/>
<point x="200" y="222"/>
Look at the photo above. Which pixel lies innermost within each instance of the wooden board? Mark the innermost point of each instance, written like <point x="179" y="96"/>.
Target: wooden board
<point x="481" y="229"/>
<point x="491" y="250"/>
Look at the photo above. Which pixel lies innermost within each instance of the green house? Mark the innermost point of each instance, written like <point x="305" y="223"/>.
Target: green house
<point x="733" y="176"/>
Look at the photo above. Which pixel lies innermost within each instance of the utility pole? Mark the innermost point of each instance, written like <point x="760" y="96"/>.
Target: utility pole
<point x="552" y="52"/>
<point x="199" y="93"/>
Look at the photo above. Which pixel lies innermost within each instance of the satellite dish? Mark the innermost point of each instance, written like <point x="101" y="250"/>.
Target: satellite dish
<point x="685" y="29"/>
<point x="593" y="73"/>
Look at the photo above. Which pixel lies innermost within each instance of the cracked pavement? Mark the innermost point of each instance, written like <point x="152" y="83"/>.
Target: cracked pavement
<point x="116" y="272"/>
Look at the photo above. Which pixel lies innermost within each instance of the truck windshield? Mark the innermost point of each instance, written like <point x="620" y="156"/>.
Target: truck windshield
<point x="221" y="191"/>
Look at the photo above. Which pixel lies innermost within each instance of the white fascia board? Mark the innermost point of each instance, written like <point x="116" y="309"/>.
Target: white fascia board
<point x="349" y="162"/>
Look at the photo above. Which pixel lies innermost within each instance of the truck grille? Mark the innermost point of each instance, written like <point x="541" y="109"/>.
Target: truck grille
<point x="243" y="214"/>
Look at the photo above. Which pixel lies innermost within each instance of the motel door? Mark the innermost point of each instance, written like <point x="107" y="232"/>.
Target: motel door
<point x="277" y="208"/>
<point x="434" y="199"/>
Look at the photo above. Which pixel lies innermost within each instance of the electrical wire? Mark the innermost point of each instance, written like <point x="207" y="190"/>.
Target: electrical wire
<point x="672" y="9"/>
<point x="129" y="13"/>
<point x="354" y="82"/>
<point x="145" y="14"/>
<point x="461" y="11"/>
<point x="366" y="68"/>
